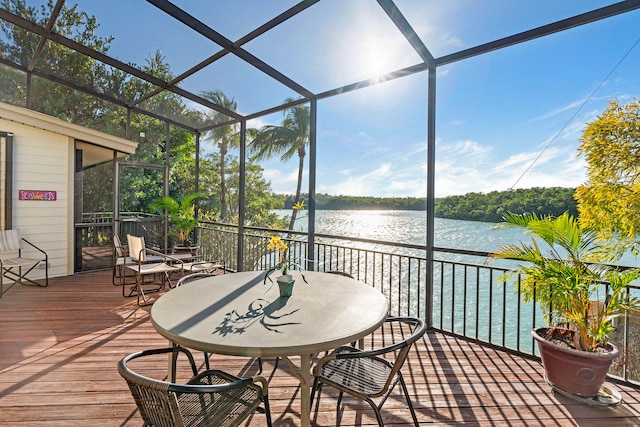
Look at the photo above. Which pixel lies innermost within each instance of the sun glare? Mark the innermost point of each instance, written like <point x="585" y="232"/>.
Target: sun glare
<point x="373" y="61"/>
<point x="375" y="58"/>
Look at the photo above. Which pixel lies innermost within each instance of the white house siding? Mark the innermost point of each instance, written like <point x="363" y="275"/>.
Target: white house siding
<point x="2" y="180"/>
<point x="41" y="162"/>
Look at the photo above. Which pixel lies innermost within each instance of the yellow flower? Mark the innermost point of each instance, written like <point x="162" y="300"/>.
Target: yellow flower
<point x="276" y="244"/>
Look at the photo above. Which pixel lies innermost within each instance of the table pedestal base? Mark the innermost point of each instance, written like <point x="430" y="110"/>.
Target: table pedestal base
<point x="304" y="376"/>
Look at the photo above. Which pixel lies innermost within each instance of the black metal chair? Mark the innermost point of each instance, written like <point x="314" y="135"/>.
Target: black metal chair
<point x="367" y="375"/>
<point x="192" y="277"/>
<point x="341" y="273"/>
<point x="201" y="266"/>
<point x="211" y="398"/>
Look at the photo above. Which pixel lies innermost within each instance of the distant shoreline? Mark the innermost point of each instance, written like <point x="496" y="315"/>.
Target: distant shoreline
<point x="486" y="207"/>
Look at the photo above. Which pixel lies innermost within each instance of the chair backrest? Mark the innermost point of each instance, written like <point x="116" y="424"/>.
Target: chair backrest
<point x="117" y="244"/>
<point x="10" y="241"/>
<point x="192" y="277"/>
<point x="136" y="247"/>
<point x="210" y="398"/>
<point x="157" y="406"/>
<point x="419" y="327"/>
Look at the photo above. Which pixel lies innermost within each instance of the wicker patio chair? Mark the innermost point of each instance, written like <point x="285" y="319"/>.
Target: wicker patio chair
<point x="368" y="375"/>
<point x="211" y="398"/>
<point x="11" y="258"/>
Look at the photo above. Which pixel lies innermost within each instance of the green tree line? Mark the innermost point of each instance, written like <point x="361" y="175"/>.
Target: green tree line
<point x="330" y="202"/>
<point x="488" y="207"/>
<point x="492" y="206"/>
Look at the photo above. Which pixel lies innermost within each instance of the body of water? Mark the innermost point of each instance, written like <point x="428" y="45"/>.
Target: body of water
<point x="456" y="306"/>
<point x="410" y="227"/>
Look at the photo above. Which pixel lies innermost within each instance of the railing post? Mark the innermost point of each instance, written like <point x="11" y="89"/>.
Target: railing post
<point x="241" y="193"/>
<point x="311" y="255"/>
<point x="431" y="162"/>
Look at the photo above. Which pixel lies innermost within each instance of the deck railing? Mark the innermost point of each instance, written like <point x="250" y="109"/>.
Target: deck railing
<point x="96" y="228"/>
<point x="471" y="297"/>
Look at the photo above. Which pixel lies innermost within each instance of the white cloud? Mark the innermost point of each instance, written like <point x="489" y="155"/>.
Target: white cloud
<point x="466" y="166"/>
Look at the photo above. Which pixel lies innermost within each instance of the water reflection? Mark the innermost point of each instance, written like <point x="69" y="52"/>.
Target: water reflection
<point x="259" y="311"/>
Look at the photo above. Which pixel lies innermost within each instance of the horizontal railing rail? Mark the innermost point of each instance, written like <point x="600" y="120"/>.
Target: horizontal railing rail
<point x="94" y="236"/>
<point x="98" y="227"/>
<point x="471" y="298"/>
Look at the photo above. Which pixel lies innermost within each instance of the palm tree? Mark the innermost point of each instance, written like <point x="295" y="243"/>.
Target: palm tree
<point x="226" y="137"/>
<point x="287" y="140"/>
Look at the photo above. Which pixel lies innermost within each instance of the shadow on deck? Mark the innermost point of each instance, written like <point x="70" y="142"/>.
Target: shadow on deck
<point x="59" y="347"/>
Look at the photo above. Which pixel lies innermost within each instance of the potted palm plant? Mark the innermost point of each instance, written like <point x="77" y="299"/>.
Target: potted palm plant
<point x="579" y="295"/>
<point x="181" y="217"/>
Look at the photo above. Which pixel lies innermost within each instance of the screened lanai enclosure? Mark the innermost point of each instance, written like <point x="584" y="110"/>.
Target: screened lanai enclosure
<point x="271" y="107"/>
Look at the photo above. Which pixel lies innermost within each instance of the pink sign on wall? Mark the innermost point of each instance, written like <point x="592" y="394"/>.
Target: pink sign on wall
<point x="38" y="195"/>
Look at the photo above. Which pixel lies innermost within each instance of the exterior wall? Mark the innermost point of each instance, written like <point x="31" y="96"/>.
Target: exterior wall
<point x="2" y="179"/>
<point x="43" y="160"/>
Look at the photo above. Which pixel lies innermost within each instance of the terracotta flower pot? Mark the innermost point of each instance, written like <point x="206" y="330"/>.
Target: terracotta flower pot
<point x="573" y="371"/>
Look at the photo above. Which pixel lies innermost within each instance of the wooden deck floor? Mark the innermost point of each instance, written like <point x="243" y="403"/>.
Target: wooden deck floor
<point x="59" y="347"/>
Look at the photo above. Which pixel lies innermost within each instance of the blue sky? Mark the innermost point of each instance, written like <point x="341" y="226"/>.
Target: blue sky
<point x="508" y="119"/>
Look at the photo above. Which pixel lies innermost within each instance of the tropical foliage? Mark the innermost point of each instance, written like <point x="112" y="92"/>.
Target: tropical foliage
<point x="286" y="141"/>
<point x="180" y="213"/>
<point x="609" y="200"/>
<point x="566" y="278"/>
<point x="225" y="137"/>
<point x="140" y="185"/>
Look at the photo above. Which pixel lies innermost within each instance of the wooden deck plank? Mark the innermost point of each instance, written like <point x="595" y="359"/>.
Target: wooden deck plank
<point x="59" y="347"/>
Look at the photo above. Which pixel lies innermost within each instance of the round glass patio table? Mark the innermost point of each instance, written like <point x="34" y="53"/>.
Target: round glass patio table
<point x="237" y="314"/>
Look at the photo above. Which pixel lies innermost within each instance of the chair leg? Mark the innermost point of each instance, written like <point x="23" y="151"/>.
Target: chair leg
<point x="267" y="411"/>
<point x="406" y="395"/>
<point x="317" y="386"/>
<point x="19" y="276"/>
<point x="141" y="292"/>
<point x="340" y="399"/>
<point x="376" y="409"/>
<point x="117" y="278"/>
